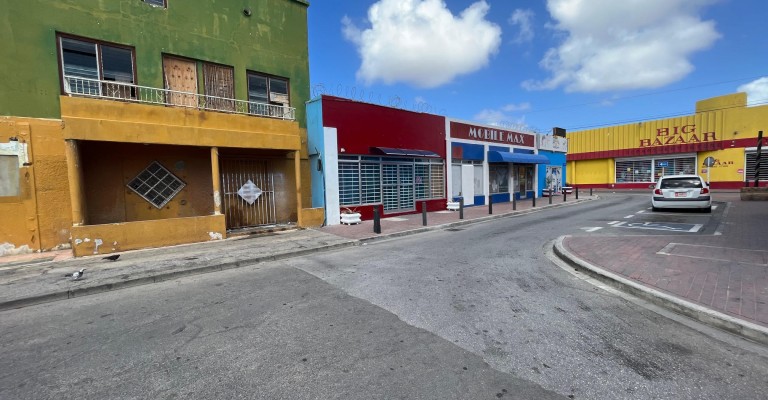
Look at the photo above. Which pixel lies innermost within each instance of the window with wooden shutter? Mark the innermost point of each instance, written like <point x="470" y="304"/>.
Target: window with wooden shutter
<point x="181" y="79"/>
<point x="219" y="87"/>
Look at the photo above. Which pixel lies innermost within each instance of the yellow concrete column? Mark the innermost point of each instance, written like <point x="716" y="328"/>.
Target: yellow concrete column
<point x="76" y="185"/>
<point x="297" y="167"/>
<point x="216" y="180"/>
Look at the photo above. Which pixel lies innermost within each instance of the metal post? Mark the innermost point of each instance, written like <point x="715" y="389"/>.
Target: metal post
<point x="424" y="213"/>
<point x="577" y="192"/>
<point x="490" y="204"/>
<point x="461" y="207"/>
<point x="376" y="219"/>
<point x="757" y="158"/>
<point x="534" y="199"/>
<point x="514" y="202"/>
<point x="550" y="195"/>
<point x="590" y="192"/>
<point x="565" y="194"/>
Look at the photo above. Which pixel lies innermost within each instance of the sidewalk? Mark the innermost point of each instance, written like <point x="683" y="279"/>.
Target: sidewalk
<point x="721" y="280"/>
<point x="40" y="277"/>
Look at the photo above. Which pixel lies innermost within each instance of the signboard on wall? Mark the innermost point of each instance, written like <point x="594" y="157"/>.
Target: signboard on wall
<point x="553" y="143"/>
<point x="490" y="134"/>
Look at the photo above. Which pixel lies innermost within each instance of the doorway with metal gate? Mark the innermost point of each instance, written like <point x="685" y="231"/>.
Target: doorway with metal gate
<point x="248" y="195"/>
<point x="397" y="187"/>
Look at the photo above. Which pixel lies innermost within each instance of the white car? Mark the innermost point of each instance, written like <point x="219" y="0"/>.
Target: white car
<point x="681" y="191"/>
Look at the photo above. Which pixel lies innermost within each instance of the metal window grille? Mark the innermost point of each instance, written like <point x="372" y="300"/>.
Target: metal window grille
<point x="634" y="171"/>
<point x="156" y="185"/>
<point x="437" y="180"/>
<point x="370" y="183"/>
<point x="421" y="182"/>
<point x="349" y="183"/>
<point x="751" y="164"/>
<point x="674" y="166"/>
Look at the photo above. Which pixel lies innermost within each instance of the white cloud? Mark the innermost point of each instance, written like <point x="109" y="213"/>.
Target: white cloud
<point x="501" y="118"/>
<point x="522" y="19"/>
<point x="422" y="43"/>
<point x="621" y="45"/>
<point x="757" y="91"/>
<point x="517" y="107"/>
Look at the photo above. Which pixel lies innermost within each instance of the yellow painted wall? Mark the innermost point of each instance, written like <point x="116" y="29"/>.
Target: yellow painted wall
<point x="590" y="172"/>
<point x="728" y="162"/>
<point x="312" y="217"/>
<point x="41" y="216"/>
<point x="105" y="120"/>
<point x="143" y="234"/>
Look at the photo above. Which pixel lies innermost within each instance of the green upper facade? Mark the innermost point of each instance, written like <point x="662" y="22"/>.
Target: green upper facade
<point x="264" y="38"/>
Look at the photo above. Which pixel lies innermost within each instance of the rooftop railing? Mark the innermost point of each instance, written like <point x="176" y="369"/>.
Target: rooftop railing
<point x="87" y="87"/>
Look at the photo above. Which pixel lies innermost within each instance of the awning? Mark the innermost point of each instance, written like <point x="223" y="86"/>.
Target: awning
<point x="519" y="158"/>
<point x="389" y="151"/>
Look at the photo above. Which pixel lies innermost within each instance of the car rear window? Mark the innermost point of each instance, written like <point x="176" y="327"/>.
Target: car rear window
<point x="681" y="183"/>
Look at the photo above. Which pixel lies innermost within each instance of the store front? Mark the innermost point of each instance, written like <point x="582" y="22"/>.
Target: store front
<point x="490" y="163"/>
<point x="365" y="156"/>
<point x="718" y="143"/>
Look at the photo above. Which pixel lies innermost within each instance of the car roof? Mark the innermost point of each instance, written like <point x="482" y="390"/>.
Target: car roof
<point x="680" y="176"/>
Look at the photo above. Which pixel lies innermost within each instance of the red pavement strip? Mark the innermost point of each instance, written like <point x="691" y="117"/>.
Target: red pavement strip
<point x="728" y="290"/>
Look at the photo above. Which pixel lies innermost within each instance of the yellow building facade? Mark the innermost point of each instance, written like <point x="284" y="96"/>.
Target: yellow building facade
<point x="718" y="142"/>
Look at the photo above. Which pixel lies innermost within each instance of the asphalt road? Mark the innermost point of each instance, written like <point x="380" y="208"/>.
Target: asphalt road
<point x="470" y="313"/>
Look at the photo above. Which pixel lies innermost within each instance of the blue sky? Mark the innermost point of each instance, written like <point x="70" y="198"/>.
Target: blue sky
<point x="532" y="64"/>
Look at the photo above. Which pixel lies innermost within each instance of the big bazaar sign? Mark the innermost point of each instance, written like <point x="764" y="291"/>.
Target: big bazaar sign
<point x="678" y="135"/>
<point x="485" y="134"/>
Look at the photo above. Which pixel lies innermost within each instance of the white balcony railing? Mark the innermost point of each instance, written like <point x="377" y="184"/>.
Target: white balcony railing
<point x="78" y="86"/>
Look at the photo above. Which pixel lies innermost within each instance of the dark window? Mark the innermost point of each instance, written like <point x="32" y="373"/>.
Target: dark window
<point x="264" y="89"/>
<point x="157" y="3"/>
<point x="681" y="183"/>
<point x="86" y="65"/>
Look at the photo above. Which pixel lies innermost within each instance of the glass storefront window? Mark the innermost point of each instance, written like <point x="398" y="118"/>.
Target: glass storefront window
<point x="499" y="177"/>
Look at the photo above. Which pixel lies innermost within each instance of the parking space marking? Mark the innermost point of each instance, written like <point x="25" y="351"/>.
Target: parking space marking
<point x="613" y="222"/>
<point x="640" y="212"/>
<point x="592" y="228"/>
<point x="661" y="226"/>
<point x="629" y="216"/>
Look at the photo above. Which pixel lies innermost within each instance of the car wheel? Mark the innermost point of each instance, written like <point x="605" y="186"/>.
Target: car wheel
<point x="654" y="209"/>
<point x="707" y="210"/>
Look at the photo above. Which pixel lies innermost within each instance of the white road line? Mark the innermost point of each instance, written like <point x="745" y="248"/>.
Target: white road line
<point x="640" y="212"/>
<point x="592" y="228"/>
<point x="714" y="207"/>
<point x="629" y="216"/>
<point x="613" y="222"/>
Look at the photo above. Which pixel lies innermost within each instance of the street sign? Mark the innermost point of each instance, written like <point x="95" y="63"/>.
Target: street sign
<point x="709" y="161"/>
<point x="664" y="164"/>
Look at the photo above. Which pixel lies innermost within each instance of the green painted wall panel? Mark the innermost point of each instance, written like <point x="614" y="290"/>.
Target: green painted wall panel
<point x="272" y="40"/>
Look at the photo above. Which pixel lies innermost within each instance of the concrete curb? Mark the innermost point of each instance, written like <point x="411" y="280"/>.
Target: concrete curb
<point x="475" y="221"/>
<point x="697" y="312"/>
<point x="206" y="268"/>
<point x="163" y="276"/>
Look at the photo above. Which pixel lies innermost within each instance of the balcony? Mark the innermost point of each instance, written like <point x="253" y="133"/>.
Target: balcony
<point x="112" y="90"/>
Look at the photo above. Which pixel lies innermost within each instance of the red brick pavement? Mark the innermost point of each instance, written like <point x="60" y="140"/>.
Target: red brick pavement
<point x="409" y="222"/>
<point x="732" y="282"/>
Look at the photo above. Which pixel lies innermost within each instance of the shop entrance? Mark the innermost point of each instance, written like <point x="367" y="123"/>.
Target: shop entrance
<point x="397" y="187"/>
<point x="523" y="179"/>
<point x="248" y="196"/>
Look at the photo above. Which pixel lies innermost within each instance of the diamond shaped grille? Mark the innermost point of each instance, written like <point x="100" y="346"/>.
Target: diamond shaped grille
<point x="156" y="185"/>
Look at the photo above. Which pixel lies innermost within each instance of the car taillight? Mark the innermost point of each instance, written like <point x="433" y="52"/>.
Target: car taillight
<point x="657" y="191"/>
<point x="704" y="191"/>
